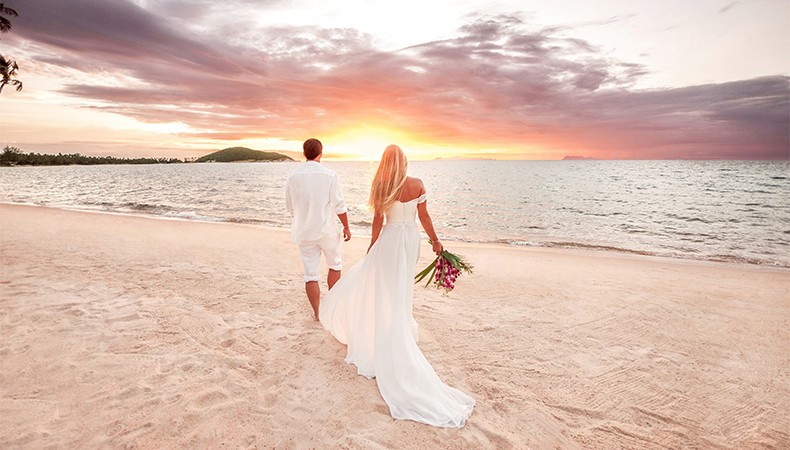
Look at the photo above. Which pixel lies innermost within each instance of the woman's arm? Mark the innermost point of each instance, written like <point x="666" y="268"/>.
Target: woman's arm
<point x="427" y="225"/>
<point x="378" y="222"/>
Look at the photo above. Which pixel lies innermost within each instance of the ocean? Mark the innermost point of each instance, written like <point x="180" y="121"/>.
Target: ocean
<point x="731" y="211"/>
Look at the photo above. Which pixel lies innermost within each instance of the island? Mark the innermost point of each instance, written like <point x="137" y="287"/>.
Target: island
<point x="243" y="154"/>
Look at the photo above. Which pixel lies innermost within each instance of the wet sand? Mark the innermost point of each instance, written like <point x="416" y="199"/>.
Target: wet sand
<point x="134" y="332"/>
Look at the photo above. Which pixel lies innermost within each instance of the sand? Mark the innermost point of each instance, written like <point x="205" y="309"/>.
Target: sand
<point x="134" y="332"/>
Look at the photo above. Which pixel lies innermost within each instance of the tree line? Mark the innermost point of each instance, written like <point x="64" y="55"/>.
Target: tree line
<point x="12" y="156"/>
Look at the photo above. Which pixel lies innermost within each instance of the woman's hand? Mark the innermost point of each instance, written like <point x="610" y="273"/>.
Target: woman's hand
<point x="437" y="246"/>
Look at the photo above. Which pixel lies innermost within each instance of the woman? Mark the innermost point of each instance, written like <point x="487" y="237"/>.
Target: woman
<point x="370" y="308"/>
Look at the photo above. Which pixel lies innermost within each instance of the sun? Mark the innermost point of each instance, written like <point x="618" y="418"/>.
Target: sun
<point x="365" y="143"/>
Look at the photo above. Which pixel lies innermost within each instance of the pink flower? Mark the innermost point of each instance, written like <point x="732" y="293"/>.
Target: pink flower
<point x="446" y="269"/>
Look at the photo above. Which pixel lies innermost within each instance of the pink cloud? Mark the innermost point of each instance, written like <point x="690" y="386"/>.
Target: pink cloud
<point x="496" y="84"/>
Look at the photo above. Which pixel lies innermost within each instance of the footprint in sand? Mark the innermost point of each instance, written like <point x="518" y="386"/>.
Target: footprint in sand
<point x="114" y="428"/>
<point x="211" y="398"/>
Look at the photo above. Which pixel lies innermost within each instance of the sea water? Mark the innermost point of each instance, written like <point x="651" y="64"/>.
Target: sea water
<point x="736" y="211"/>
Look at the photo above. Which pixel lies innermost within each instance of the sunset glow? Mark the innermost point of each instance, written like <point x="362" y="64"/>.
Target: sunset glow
<point x="469" y="79"/>
<point x="364" y="143"/>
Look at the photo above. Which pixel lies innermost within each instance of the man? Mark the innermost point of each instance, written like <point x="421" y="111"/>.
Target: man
<point x="312" y="195"/>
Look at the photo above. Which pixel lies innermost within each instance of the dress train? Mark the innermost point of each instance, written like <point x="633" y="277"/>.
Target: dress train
<point x="370" y="310"/>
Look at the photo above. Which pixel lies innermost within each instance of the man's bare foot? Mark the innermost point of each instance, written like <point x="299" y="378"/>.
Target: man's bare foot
<point x="316" y="318"/>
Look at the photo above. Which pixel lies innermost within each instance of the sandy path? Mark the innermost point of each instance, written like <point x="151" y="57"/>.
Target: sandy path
<point x="131" y="332"/>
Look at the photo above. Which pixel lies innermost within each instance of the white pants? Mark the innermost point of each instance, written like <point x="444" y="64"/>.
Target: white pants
<point x="311" y="255"/>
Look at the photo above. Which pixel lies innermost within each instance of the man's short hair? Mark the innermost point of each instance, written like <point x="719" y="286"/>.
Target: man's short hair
<point x="312" y="148"/>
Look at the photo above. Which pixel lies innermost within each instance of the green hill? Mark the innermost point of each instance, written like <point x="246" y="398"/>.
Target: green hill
<point x="233" y="154"/>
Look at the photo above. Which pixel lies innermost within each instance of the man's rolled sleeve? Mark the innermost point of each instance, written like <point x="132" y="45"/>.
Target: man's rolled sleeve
<point x="288" y="203"/>
<point x="338" y="204"/>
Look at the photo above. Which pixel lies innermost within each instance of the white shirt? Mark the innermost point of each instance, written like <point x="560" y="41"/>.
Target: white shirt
<point x="312" y="195"/>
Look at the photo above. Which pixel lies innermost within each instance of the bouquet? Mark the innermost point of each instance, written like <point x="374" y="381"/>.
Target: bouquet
<point x="444" y="270"/>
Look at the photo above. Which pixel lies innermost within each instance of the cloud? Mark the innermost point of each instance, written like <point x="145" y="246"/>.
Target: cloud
<point x="497" y="84"/>
<point x="728" y="7"/>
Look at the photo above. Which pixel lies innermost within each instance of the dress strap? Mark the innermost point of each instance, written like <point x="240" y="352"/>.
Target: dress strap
<point x="421" y="199"/>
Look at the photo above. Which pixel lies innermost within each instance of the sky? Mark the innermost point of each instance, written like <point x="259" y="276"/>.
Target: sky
<point x="509" y="79"/>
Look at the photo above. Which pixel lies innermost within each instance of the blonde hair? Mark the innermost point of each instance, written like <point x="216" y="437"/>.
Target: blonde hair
<point x="389" y="179"/>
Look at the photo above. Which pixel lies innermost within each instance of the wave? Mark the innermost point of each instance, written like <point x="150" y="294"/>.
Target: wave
<point x="135" y="206"/>
<point x="167" y="212"/>
<point x="193" y="216"/>
<point x="687" y="254"/>
<point x="682" y="253"/>
<point x="361" y="223"/>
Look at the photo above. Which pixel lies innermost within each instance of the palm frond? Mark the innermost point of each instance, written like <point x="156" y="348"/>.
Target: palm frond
<point x="5" y="25"/>
<point x="8" y="70"/>
<point x="7" y="11"/>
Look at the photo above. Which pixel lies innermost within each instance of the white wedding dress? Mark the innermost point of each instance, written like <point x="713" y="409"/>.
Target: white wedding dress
<point x="370" y="310"/>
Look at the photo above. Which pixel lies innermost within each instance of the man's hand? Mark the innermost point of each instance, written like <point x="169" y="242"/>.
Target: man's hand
<point x="346" y="230"/>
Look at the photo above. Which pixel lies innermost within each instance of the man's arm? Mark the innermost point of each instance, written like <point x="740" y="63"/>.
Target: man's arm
<point x="340" y="207"/>
<point x="288" y="203"/>
<point x="346" y="230"/>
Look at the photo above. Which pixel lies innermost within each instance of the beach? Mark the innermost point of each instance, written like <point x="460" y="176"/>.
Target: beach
<point x="123" y="331"/>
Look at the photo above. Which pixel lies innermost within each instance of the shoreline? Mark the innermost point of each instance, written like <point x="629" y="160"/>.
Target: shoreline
<point x="555" y="244"/>
<point x="120" y="331"/>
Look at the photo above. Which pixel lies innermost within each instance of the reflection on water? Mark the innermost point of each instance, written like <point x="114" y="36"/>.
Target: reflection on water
<point x="725" y="210"/>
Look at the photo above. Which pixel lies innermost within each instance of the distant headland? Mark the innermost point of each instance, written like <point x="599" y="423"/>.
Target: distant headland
<point x="12" y="156"/>
<point x="243" y="154"/>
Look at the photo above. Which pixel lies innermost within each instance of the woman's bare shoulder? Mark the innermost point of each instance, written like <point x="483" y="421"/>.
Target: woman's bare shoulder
<point x="414" y="184"/>
<point x="413" y="181"/>
<point x="412" y="188"/>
